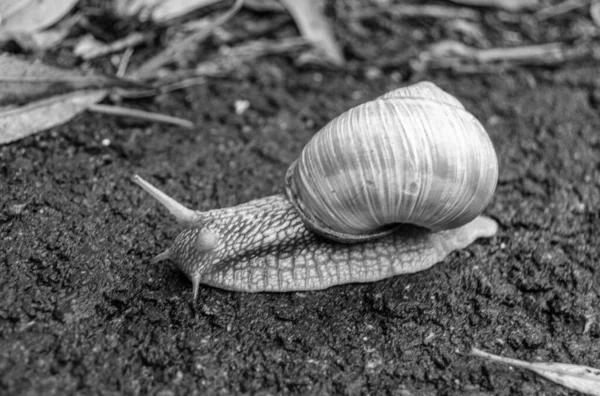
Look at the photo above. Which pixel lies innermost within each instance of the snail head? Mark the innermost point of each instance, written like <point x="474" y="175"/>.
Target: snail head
<point x="195" y="245"/>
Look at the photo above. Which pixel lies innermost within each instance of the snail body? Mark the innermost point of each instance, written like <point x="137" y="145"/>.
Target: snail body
<point x="389" y="187"/>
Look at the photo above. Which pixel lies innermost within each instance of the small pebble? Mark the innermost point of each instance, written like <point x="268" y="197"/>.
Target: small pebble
<point x="241" y="106"/>
<point x="373" y="73"/>
<point x="16" y="209"/>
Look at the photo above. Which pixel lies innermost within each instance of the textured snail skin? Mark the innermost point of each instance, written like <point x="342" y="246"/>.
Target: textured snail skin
<point x="263" y="245"/>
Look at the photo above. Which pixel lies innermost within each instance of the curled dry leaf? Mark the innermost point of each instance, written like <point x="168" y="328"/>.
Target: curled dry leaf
<point x="509" y="5"/>
<point x="22" y="81"/>
<point x="264" y="5"/>
<point x="158" y="10"/>
<point x="48" y="38"/>
<point x="583" y="379"/>
<point x="26" y="16"/>
<point x="19" y="122"/>
<point x="89" y="48"/>
<point x="179" y="51"/>
<point x="172" y="9"/>
<point x="315" y="28"/>
<point x="595" y="13"/>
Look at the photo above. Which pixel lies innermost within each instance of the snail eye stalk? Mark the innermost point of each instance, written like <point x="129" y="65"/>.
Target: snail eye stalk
<point x="182" y="214"/>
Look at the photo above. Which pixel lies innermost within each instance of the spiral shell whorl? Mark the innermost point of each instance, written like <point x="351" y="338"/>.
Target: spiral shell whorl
<point x="413" y="155"/>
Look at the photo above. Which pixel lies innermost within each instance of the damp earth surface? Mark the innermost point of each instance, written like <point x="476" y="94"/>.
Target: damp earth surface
<point x="83" y="312"/>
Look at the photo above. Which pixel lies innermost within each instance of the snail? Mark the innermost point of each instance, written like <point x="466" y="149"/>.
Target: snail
<point x="391" y="186"/>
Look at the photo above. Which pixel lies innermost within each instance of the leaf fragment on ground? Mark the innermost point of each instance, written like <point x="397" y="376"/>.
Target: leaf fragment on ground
<point x="509" y="5"/>
<point x="233" y="58"/>
<point x="158" y="10"/>
<point x="459" y="57"/>
<point x="44" y="39"/>
<point x="172" y="9"/>
<point x="264" y="5"/>
<point x="176" y="52"/>
<point x="89" y="48"/>
<point x="140" y="114"/>
<point x="583" y="379"/>
<point x="595" y="13"/>
<point x="22" y="81"/>
<point x="19" y="122"/>
<point x="418" y="11"/>
<point x="31" y="15"/>
<point x="315" y="28"/>
<point x="561" y="8"/>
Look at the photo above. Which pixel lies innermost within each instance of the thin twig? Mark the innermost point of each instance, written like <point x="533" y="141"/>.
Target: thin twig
<point x="176" y="51"/>
<point x="124" y="62"/>
<point x="132" y="40"/>
<point x="450" y="54"/>
<point x="144" y="115"/>
<point x="160" y="89"/>
<point x="224" y="63"/>
<point x="560" y="9"/>
<point x="229" y="60"/>
<point x="508" y="5"/>
<point x="419" y="11"/>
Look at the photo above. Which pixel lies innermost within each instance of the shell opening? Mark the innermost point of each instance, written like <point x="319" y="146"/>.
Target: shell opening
<point x="321" y="228"/>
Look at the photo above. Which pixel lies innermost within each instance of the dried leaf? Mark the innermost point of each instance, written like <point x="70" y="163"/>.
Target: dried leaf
<point x="315" y="28"/>
<point x="38" y="41"/>
<point x="452" y="54"/>
<point x="87" y="44"/>
<point x="509" y="5"/>
<point x="22" y="81"/>
<point x="595" y="13"/>
<point x="19" y="122"/>
<point x="230" y="59"/>
<point x="159" y="10"/>
<point x="178" y="51"/>
<point x="8" y="7"/>
<point x="44" y="39"/>
<point x="172" y="9"/>
<point x="583" y="379"/>
<point x="89" y="48"/>
<point x="561" y="8"/>
<point x="31" y="15"/>
<point x="418" y="11"/>
<point x="140" y="114"/>
<point x="264" y="5"/>
<point x="129" y="8"/>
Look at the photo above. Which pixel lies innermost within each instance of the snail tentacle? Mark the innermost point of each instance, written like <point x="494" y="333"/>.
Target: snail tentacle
<point x="179" y="211"/>
<point x="167" y="254"/>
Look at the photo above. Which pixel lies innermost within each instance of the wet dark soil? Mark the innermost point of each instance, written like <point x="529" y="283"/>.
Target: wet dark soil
<point x="83" y="312"/>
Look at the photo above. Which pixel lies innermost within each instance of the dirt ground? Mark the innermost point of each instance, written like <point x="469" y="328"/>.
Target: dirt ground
<point x="82" y="310"/>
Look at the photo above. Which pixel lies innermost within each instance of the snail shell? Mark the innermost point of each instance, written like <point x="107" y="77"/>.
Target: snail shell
<point x="413" y="155"/>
